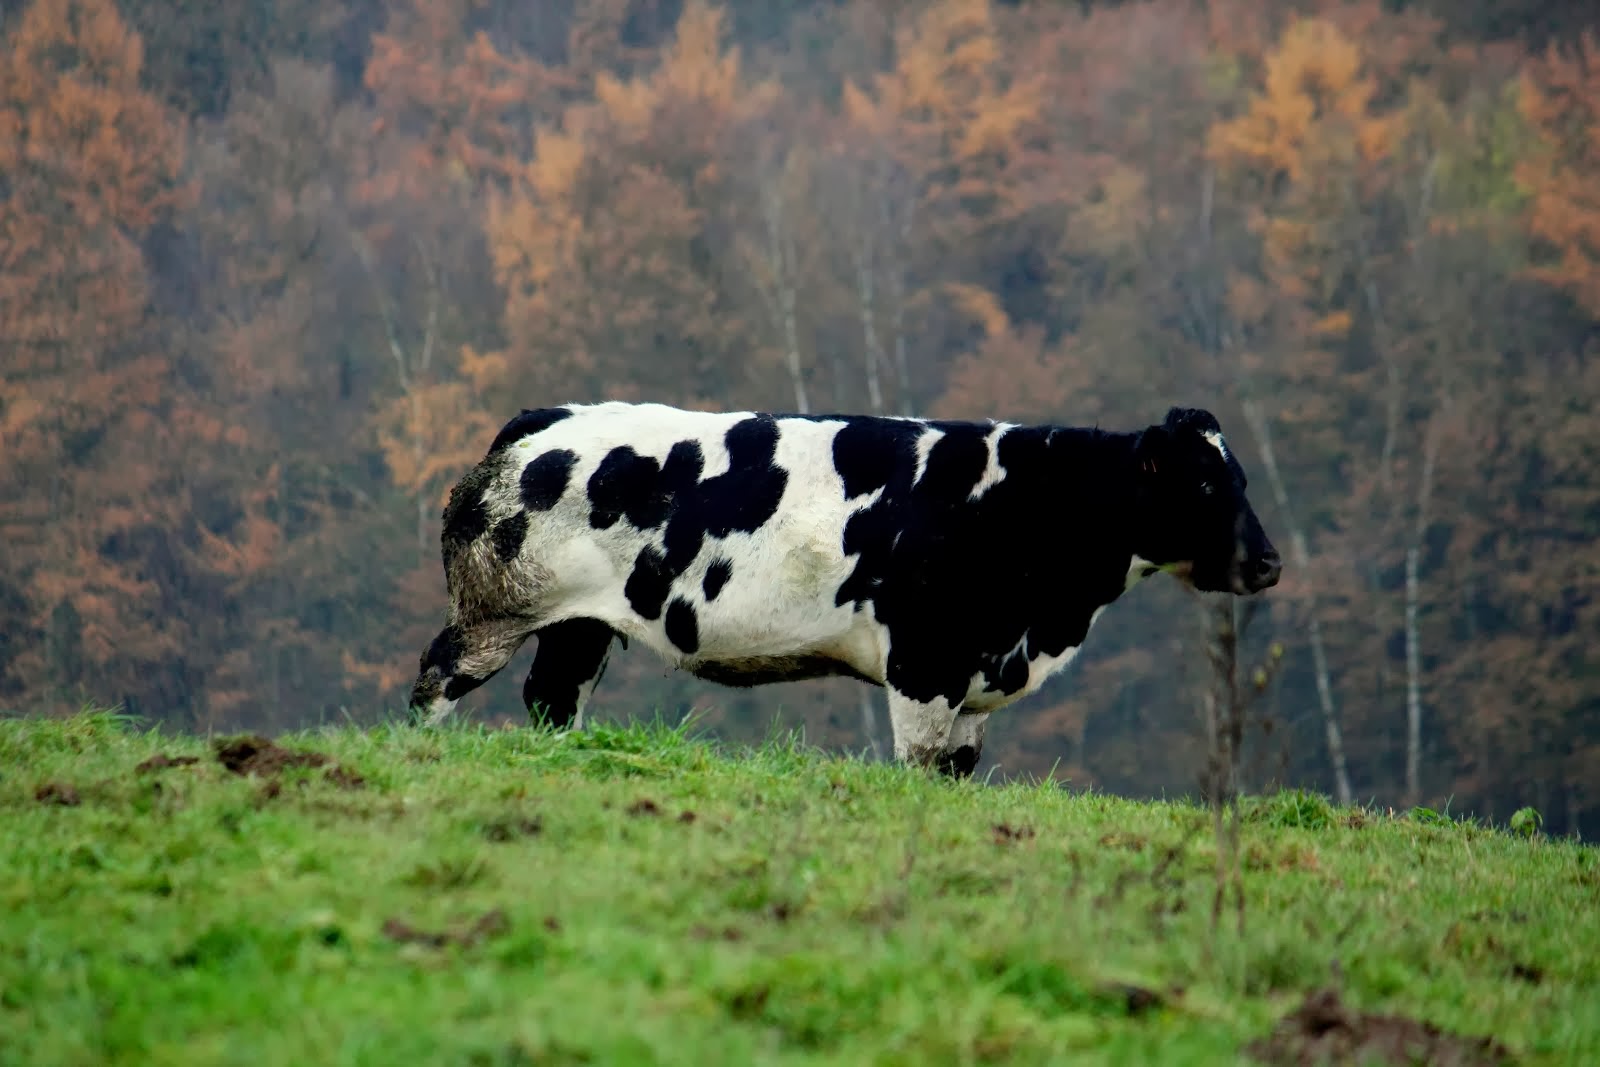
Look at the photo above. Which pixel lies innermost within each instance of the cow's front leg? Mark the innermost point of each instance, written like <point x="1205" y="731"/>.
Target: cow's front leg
<point x="571" y="658"/>
<point x="960" y="756"/>
<point x="921" y="728"/>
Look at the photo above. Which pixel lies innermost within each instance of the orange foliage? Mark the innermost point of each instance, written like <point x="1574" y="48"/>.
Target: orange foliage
<point x="955" y="111"/>
<point x="467" y="106"/>
<point x="1560" y="99"/>
<point x="594" y="244"/>
<point x="90" y="163"/>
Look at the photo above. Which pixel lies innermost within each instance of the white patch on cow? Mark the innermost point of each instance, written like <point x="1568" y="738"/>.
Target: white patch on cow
<point x="925" y="443"/>
<point x="1217" y="442"/>
<point x="779" y="599"/>
<point x="437" y="711"/>
<point x="992" y="471"/>
<point x="1139" y="569"/>
<point x="968" y="730"/>
<point x="1042" y="668"/>
<point x="586" y="690"/>
<point x="921" y="730"/>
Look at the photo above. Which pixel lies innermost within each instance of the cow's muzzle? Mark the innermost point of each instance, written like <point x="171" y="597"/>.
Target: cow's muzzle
<point x="1261" y="572"/>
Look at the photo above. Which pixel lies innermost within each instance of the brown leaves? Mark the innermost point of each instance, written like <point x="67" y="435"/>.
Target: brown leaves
<point x="605" y="245"/>
<point x="1560" y="98"/>
<point x="474" y="103"/>
<point x="1012" y="375"/>
<point x="1315" y="85"/>
<point x="77" y="114"/>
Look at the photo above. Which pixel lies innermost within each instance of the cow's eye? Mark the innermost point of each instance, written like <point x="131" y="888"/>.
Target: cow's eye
<point x="1207" y="488"/>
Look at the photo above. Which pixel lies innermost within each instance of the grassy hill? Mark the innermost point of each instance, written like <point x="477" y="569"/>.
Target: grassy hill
<point x="637" y="897"/>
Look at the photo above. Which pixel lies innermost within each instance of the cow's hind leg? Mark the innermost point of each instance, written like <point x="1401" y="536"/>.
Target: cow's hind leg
<point x="571" y="658"/>
<point x="960" y="756"/>
<point x="460" y="659"/>
<point x="921" y="728"/>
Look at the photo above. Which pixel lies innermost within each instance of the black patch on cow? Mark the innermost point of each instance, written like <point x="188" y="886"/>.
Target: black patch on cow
<point x="646" y="492"/>
<point x="1010" y="675"/>
<point x="445" y="651"/>
<point x="525" y="425"/>
<point x="684" y="465"/>
<point x="545" y="478"/>
<point x="745" y="496"/>
<point x="444" y="655"/>
<point x="683" y="629"/>
<point x="648" y="583"/>
<point x="571" y="654"/>
<point x="508" y="536"/>
<point x="867" y="452"/>
<point x="671" y="495"/>
<point x="623" y="482"/>
<point x="438" y="663"/>
<point x="717" y="576"/>
<point x="465" y="517"/>
<point x="961" y="584"/>
<point x="960" y="763"/>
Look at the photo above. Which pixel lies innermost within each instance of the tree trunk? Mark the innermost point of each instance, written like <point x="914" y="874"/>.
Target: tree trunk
<point x="865" y="292"/>
<point x="1302" y="558"/>
<point x="1413" y="685"/>
<point x="897" y="299"/>
<point x="781" y="298"/>
<point x="1430" y="457"/>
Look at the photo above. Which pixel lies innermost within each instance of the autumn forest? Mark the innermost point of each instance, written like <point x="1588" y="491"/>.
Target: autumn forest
<point x="272" y="273"/>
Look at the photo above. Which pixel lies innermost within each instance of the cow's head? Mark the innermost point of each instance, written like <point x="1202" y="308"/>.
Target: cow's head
<point x="1192" y="515"/>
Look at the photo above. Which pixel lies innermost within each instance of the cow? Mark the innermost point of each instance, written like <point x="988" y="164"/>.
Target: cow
<point x="957" y="564"/>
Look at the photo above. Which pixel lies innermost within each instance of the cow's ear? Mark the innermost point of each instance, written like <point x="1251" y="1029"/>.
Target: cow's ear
<point x="1152" y="448"/>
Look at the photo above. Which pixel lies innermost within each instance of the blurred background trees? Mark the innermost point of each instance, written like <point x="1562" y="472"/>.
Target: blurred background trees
<point x="273" y="272"/>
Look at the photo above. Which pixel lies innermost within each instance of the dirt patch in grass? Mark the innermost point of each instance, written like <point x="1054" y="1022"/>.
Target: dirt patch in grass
<point x="490" y="924"/>
<point x="1326" y="1030"/>
<point x="510" y="828"/>
<point x="1531" y="973"/>
<point x="253" y="754"/>
<point x="344" y="777"/>
<point x="1004" y="833"/>
<point x="1118" y="839"/>
<point x="1134" y="999"/>
<point x="161" y="761"/>
<point x="60" y="794"/>
<point x="644" y="806"/>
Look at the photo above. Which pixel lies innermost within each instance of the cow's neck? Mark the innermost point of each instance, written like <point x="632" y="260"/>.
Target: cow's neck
<point x="1101" y="474"/>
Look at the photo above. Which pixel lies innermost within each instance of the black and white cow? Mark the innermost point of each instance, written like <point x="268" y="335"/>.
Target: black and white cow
<point x="959" y="564"/>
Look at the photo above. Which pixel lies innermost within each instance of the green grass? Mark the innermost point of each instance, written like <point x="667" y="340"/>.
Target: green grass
<point x="640" y="897"/>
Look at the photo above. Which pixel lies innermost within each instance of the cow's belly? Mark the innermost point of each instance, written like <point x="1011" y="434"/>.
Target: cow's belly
<point x="784" y="636"/>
